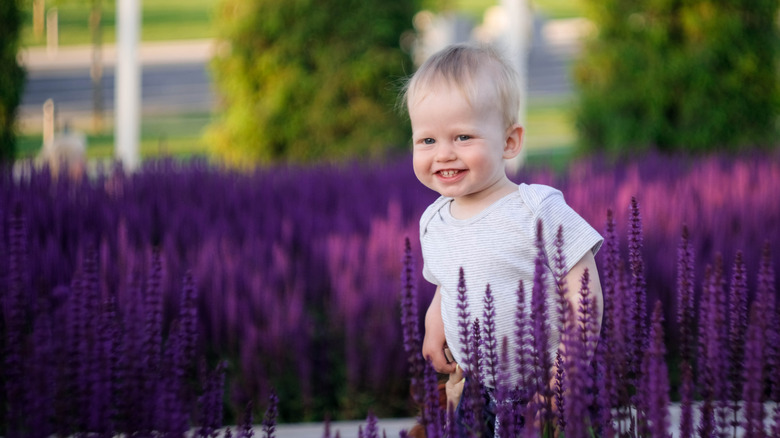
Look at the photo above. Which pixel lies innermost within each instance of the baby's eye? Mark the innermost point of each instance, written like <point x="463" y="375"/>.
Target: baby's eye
<point x="463" y="137"/>
<point x="428" y="141"/>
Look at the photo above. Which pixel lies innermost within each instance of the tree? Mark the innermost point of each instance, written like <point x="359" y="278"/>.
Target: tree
<point x="679" y="75"/>
<point x="309" y="80"/>
<point x="11" y="76"/>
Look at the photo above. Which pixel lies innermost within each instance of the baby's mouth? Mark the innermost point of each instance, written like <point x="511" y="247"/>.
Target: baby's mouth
<point x="449" y="173"/>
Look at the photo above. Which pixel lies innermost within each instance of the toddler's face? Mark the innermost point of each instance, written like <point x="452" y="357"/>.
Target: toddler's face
<point x="458" y="148"/>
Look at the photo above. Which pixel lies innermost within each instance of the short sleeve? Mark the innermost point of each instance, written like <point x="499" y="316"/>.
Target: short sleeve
<point x="579" y="236"/>
<point x="425" y="219"/>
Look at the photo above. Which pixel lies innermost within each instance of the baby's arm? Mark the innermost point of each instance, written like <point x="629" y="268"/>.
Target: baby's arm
<point x="573" y="281"/>
<point x="433" y="343"/>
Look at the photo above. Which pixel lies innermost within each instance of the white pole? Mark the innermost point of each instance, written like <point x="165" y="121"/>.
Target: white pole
<point x="39" y="10"/>
<point x="127" y="83"/>
<point x="518" y="43"/>
<point x="52" y="32"/>
<point x="48" y="124"/>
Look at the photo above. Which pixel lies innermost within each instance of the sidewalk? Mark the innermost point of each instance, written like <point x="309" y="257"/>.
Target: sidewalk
<point x="41" y="59"/>
<point x="392" y="427"/>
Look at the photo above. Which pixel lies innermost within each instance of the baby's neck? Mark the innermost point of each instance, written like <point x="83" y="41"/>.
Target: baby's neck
<point x="465" y="207"/>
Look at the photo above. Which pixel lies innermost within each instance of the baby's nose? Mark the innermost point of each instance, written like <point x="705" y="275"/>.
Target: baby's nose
<point x="445" y="151"/>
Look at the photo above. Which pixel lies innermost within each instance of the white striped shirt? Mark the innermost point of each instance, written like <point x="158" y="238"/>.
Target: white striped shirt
<point x="498" y="247"/>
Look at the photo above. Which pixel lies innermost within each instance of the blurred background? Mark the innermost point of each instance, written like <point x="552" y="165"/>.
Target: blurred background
<point x="673" y="102"/>
<point x="67" y="48"/>
<point x="215" y="75"/>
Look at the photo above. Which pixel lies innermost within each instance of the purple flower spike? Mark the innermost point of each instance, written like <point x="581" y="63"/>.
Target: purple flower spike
<point x="765" y="293"/>
<point x="656" y="377"/>
<point x="752" y="391"/>
<point x="432" y="414"/>
<point x="559" y="271"/>
<point x="326" y="432"/>
<point x="489" y="339"/>
<point x="685" y="321"/>
<point x="578" y="362"/>
<point x="469" y="356"/>
<point x="372" y="426"/>
<point x="524" y="349"/>
<point x="565" y="326"/>
<point x="720" y="361"/>
<point x="635" y="246"/>
<point x="736" y="335"/>
<point x="686" y="400"/>
<point x="271" y="414"/>
<point x="685" y="304"/>
<point x="705" y="374"/>
<point x="712" y="359"/>
<point x="542" y="362"/>
<point x="247" y="431"/>
<point x="464" y="330"/>
<point x="14" y="319"/>
<point x="188" y="324"/>
<point x="211" y="401"/>
<point x="473" y="401"/>
<point x="506" y="397"/>
<point x="608" y="351"/>
<point x="560" y="389"/>
<point x="410" y="324"/>
<point x="153" y="306"/>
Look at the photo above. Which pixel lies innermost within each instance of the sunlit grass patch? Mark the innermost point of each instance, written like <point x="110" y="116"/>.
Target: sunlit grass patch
<point x="161" y="20"/>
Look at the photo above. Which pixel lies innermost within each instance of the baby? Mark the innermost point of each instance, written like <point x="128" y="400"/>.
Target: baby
<point x="463" y="104"/>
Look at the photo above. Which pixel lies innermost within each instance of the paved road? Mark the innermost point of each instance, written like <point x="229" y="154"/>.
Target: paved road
<point x="175" y="79"/>
<point x="175" y="76"/>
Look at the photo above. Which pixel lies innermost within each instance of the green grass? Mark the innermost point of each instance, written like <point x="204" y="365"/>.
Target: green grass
<point x="560" y="8"/>
<point x="161" y="20"/>
<point x="175" y="135"/>
<point x="550" y="138"/>
<point x="549" y="126"/>
<point x="549" y="8"/>
<point x="192" y="19"/>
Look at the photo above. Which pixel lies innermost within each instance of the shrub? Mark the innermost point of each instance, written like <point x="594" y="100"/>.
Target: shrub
<point x="305" y="81"/>
<point x="11" y="77"/>
<point x="689" y="76"/>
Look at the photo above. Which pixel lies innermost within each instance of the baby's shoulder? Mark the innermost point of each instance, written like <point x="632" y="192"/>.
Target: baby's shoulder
<point x="534" y="195"/>
<point x="431" y="212"/>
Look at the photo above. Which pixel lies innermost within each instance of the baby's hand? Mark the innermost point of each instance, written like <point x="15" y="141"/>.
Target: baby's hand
<point x="434" y="340"/>
<point x="433" y="349"/>
<point x="454" y="387"/>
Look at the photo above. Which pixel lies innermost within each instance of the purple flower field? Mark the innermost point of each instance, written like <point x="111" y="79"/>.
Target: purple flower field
<point x="127" y="299"/>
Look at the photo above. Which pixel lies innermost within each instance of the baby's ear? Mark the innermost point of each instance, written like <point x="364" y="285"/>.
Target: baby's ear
<point x="514" y="141"/>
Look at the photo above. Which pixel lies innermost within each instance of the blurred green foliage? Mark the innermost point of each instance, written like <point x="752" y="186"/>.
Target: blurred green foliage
<point x="11" y="76"/>
<point x="304" y="80"/>
<point x="695" y="76"/>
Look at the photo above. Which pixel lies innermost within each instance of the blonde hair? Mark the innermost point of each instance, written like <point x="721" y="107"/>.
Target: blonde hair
<point x="464" y="66"/>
